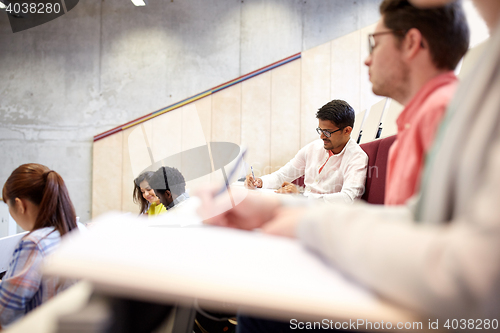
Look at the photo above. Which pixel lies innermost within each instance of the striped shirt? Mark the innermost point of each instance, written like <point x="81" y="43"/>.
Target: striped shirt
<point x="23" y="288"/>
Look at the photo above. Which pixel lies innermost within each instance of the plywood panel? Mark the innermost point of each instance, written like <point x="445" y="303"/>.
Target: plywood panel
<point x="226" y="114"/>
<point x="226" y="119"/>
<point x="256" y="121"/>
<point x="367" y="97"/>
<point x="204" y="109"/>
<point x="345" y="69"/>
<point x="192" y="137"/>
<point x="107" y="174"/>
<point x="285" y="113"/>
<point x="128" y="177"/>
<point x="138" y="147"/>
<point x="315" y="89"/>
<point x="166" y="134"/>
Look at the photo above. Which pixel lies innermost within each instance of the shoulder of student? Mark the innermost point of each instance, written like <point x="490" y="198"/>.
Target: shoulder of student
<point x="44" y="239"/>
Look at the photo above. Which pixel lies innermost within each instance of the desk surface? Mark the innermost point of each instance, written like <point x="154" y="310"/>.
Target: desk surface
<point x="221" y="268"/>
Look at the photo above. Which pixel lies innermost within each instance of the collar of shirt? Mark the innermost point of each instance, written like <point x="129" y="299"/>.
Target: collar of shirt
<point x="330" y="154"/>
<point x="406" y="117"/>
<point x="184" y="196"/>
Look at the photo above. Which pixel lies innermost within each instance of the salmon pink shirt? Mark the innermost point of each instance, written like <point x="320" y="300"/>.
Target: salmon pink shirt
<point x="417" y="127"/>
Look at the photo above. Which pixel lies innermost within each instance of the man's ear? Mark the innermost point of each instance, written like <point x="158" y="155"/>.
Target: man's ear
<point x="168" y="194"/>
<point x="413" y="42"/>
<point x="348" y="130"/>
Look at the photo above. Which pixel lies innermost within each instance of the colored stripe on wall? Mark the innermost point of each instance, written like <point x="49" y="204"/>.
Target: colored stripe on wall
<point x="196" y="97"/>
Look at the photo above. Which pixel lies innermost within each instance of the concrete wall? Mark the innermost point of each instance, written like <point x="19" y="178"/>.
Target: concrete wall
<point x="107" y="62"/>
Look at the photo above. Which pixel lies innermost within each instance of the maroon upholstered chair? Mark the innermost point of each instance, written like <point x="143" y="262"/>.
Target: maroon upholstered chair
<point x="377" y="152"/>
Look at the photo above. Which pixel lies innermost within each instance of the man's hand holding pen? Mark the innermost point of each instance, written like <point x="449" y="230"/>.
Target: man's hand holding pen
<point x="252" y="183"/>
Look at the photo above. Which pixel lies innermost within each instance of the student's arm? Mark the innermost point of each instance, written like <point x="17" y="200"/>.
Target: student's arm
<point x="288" y="173"/>
<point x="450" y="270"/>
<point x="21" y="282"/>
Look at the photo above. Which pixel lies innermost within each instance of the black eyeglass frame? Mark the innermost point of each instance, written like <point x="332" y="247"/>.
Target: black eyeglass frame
<point x="327" y="133"/>
<point x="371" y="37"/>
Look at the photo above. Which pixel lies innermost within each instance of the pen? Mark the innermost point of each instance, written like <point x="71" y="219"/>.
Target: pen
<point x="231" y="174"/>
<point x="253" y="176"/>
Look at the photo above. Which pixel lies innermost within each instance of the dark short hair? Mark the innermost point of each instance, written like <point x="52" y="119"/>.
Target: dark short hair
<point x="338" y="112"/>
<point x="168" y="179"/>
<point x="444" y="28"/>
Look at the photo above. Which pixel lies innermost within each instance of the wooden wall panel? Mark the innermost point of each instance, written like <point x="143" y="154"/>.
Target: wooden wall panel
<point x="107" y="174"/>
<point x="226" y="120"/>
<point x="315" y="89"/>
<point x="204" y="109"/>
<point x="226" y="114"/>
<point x="166" y="134"/>
<point x="285" y="113"/>
<point x="256" y="122"/>
<point x="192" y="137"/>
<point x="132" y="154"/>
<point x="367" y="97"/>
<point x="346" y="66"/>
<point x="137" y="139"/>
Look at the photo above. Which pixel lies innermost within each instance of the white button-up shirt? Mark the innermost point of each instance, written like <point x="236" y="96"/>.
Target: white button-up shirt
<point x="341" y="179"/>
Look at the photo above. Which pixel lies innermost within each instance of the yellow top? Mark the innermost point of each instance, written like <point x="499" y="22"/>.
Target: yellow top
<point x="156" y="209"/>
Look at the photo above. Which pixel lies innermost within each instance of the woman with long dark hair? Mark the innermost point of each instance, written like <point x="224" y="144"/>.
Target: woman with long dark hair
<point x="39" y="202"/>
<point x="145" y="196"/>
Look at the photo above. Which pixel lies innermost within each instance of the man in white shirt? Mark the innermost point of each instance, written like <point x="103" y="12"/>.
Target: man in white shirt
<point x="334" y="167"/>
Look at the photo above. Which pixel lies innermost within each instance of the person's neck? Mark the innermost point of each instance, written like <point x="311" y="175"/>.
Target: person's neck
<point x="339" y="149"/>
<point x="417" y="79"/>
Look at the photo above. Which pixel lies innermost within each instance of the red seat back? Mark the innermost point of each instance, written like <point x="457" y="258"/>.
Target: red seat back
<point x="378" y="152"/>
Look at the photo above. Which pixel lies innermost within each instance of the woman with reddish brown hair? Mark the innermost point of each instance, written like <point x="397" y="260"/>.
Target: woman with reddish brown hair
<point x="39" y="202"/>
<point x="145" y="196"/>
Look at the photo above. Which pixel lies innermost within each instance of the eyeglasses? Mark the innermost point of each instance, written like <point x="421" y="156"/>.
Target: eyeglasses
<point x="371" y="37"/>
<point x="327" y="133"/>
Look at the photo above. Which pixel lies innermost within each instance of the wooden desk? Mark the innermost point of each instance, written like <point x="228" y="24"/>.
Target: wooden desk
<point x="220" y="268"/>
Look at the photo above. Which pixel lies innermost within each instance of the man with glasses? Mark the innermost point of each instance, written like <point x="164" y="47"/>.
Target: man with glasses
<point x="439" y="256"/>
<point x="334" y="167"/>
<point x="413" y="53"/>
